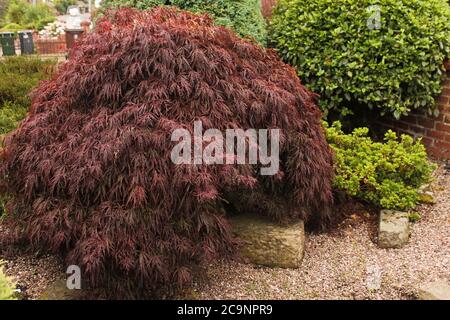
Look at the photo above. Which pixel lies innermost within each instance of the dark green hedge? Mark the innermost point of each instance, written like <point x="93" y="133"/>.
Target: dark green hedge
<point x="243" y="16"/>
<point x="341" y="52"/>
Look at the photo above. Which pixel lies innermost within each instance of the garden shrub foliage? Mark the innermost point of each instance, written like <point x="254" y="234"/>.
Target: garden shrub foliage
<point x="22" y="15"/>
<point x="387" y="174"/>
<point x="10" y="116"/>
<point x="394" y="69"/>
<point x="243" y="16"/>
<point x="62" y="5"/>
<point x="6" y="287"/>
<point x="89" y="170"/>
<point x="19" y="75"/>
<point x="138" y="4"/>
<point x="3" y="7"/>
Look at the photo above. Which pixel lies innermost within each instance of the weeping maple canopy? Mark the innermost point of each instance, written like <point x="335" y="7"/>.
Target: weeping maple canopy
<point x="88" y="172"/>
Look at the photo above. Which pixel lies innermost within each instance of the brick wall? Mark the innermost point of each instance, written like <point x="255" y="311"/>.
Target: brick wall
<point x="435" y="131"/>
<point x="267" y="6"/>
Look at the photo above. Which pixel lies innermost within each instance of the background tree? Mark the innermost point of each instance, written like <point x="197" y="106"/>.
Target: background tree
<point x="22" y="15"/>
<point x="3" y="7"/>
<point x="62" y="5"/>
<point x="243" y="16"/>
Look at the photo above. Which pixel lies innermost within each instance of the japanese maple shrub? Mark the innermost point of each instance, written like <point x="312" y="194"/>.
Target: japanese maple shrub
<point x="386" y="55"/>
<point x="88" y="172"/>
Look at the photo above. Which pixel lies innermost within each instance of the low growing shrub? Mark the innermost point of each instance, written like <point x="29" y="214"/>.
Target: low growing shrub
<point x="12" y="27"/>
<point x="414" y="216"/>
<point x="19" y="75"/>
<point x="243" y="16"/>
<point x="6" y="287"/>
<point x="10" y="116"/>
<point x="342" y="51"/>
<point x="387" y="174"/>
<point x="89" y="172"/>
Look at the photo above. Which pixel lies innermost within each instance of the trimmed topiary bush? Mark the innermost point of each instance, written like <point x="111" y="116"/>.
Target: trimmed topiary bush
<point x="342" y="51"/>
<point x="89" y="172"/>
<point x="243" y="16"/>
<point x="387" y="174"/>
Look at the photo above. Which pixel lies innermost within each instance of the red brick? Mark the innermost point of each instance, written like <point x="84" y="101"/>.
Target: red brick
<point x="444" y="146"/>
<point x="433" y="151"/>
<point x="427" y="123"/>
<point x="446" y="91"/>
<point x="440" y="117"/>
<point x="427" y="141"/>
<point x="443" y="127"/>
<point x="446" y="82"/>
<point x="436" y="134"/>
<point x="438" y="153"/>
<point x="446" y="118"/>
<point x="442" y="100"/>
<point x="447" y="138"/>
<point x="447" y="65"/>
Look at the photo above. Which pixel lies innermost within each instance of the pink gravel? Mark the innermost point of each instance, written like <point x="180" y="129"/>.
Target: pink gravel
<point x="32" y="273"/>
<point x="346" y="263"/>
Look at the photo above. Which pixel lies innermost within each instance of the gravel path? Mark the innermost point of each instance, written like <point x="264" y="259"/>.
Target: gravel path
<point x="32" y="273"/>
<point x="346" y="263"/>
<point x="342" y="264"/>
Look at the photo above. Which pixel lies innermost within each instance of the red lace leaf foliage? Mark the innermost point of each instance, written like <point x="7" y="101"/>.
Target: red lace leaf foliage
<point x="89" y="169"/>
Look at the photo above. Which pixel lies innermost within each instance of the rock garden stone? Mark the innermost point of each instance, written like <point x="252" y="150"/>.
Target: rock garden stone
<point x="426" y="194"/>
<point x="58" y="291"/>
<point x="393" y="229"/>
<point x="270" y="244"/>
<point x="437" y="290"/>
<point x="427" y="197"/>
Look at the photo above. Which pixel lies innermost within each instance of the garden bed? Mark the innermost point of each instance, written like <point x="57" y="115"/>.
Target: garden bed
<point x="75" y="173"/>
<point x="336" y="265"/>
